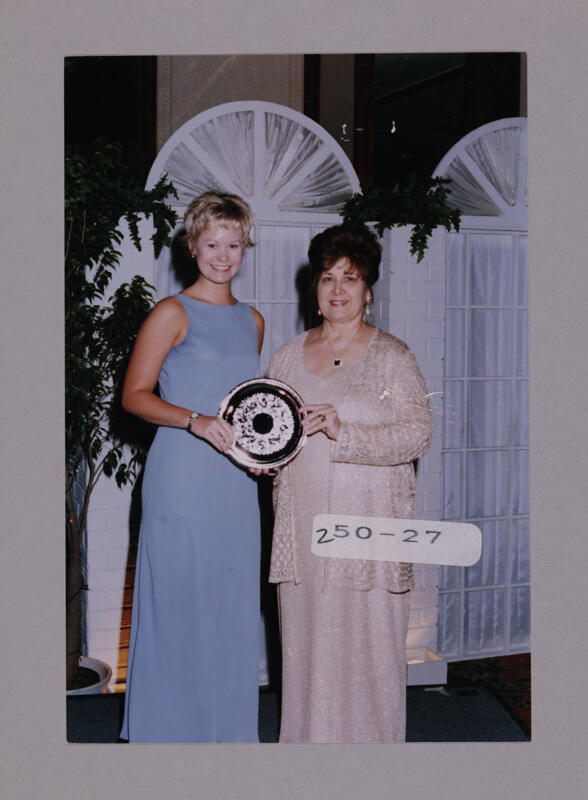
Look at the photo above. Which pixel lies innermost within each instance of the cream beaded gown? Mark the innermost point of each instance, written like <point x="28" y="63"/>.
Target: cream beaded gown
<point x="343" y="650"/>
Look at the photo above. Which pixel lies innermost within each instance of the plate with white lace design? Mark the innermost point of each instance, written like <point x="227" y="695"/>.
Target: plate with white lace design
<point x="265" y="415"/>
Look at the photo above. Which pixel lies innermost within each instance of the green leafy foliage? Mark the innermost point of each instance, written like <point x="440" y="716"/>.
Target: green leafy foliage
<point x="96" y="360"/>
<point x="420" y="203"/>
<point x="100" y="188"/>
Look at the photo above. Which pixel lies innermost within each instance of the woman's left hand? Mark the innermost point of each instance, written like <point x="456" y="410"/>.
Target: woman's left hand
<point x="321" y="417"/>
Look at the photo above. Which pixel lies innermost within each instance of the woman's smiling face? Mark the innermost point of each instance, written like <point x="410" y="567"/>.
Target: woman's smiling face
<point x="341" y="292"/>
<point x="219" y="252"/>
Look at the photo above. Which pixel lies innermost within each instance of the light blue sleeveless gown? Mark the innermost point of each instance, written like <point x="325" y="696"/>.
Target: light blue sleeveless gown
<point x="194" y="649"/>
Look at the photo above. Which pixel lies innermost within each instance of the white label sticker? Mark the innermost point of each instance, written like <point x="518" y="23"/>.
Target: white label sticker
<point x="386" y="539"/>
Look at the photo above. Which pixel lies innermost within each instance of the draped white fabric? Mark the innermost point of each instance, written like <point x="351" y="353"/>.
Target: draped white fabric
<point x="467" y="193"/>
<point x="288" y="146"/>
<point x="485" y="609"/>
<point x="290" y="150"/>
<point x="299" y="169"/>
<point x="326" y="189"/>
<point x="498" y="157"/>
<point x="228" y="141"/>
<point x="189" y="176"/>
<point x="487" y="173"/>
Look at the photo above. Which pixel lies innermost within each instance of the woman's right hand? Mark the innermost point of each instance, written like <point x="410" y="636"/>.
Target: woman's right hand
<point x="216" y="431"/>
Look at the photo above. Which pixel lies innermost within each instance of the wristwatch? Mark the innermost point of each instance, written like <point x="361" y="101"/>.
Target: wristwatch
<point x="193" y="416"/>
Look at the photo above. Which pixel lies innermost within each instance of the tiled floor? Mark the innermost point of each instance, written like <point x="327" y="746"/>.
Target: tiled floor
<point x="508" y="678"/>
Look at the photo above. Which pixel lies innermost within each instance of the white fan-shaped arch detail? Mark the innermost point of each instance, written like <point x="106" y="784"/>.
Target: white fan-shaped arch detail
<point x="488" y="170"/>
<point x="282" y="162"/>
<point x="291" y="171"/>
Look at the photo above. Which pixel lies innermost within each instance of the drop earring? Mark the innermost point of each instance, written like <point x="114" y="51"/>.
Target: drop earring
<point x="367" y="308"/>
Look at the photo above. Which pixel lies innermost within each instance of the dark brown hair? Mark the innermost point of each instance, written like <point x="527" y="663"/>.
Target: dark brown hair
<point x="355" y="242"/>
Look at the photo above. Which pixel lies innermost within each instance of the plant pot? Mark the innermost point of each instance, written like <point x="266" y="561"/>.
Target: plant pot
<point x="104" y="673"/>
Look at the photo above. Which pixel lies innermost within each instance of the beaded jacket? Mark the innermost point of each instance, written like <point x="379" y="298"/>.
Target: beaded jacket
<point x="385" y="426"/>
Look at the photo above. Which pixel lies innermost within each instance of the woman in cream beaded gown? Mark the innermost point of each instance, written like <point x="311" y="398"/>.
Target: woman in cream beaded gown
<point x="343" y="622"/>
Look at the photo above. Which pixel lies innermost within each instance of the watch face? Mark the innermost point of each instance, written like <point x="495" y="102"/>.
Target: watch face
<point x="265" y="416"/>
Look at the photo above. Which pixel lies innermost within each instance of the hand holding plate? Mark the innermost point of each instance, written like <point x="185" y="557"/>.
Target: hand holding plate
<point x="265" y="415"/>
<point x="321" y="417"/>
<point x="215" y="431"/>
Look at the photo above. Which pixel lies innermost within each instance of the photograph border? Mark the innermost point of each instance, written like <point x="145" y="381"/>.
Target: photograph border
<point x="35" y="755"/>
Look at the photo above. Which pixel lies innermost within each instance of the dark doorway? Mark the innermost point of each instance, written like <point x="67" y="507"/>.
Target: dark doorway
<point x="411" y="108"/>
<point x="114" y="97"/>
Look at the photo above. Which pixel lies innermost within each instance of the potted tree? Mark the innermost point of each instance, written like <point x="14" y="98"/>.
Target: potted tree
<point x="100" y="189"/>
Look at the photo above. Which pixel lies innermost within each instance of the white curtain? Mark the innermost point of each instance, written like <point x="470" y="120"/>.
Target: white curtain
<point x="485" y="609"/>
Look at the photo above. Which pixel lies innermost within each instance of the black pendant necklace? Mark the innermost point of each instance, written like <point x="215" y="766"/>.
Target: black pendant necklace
<point x="338" y="360"/>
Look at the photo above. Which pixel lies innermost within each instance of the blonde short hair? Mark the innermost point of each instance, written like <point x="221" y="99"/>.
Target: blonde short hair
<point x="216" y="208"/>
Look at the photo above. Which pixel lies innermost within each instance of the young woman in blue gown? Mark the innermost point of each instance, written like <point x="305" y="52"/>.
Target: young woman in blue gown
<point x="192" y="672"/>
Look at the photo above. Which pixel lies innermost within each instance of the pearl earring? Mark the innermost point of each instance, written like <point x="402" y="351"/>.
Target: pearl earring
<point x="367" y="309"/>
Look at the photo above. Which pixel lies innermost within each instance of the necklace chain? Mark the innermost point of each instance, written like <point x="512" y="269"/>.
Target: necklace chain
<point x="338" y="360"/>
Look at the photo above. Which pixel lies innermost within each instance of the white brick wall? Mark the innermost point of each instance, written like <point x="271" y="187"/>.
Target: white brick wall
<point x="415" y="313"/>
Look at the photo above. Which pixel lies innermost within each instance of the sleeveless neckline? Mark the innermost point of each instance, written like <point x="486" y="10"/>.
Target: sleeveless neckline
<point x="212" y="305"/>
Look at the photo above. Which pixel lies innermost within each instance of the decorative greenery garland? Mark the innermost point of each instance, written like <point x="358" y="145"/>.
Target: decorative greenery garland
<point x="420" y="203"/>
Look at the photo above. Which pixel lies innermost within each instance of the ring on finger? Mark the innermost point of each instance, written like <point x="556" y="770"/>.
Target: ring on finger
<point x="322" y="418"/>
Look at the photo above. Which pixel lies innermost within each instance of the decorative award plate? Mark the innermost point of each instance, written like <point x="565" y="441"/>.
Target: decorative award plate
<point x="265" y="415"/>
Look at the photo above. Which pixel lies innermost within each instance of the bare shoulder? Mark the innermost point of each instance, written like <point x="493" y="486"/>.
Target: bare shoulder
<point x="167" y="311"/>
<point x="169" y="307"/>
<point x="168" y="318"/>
